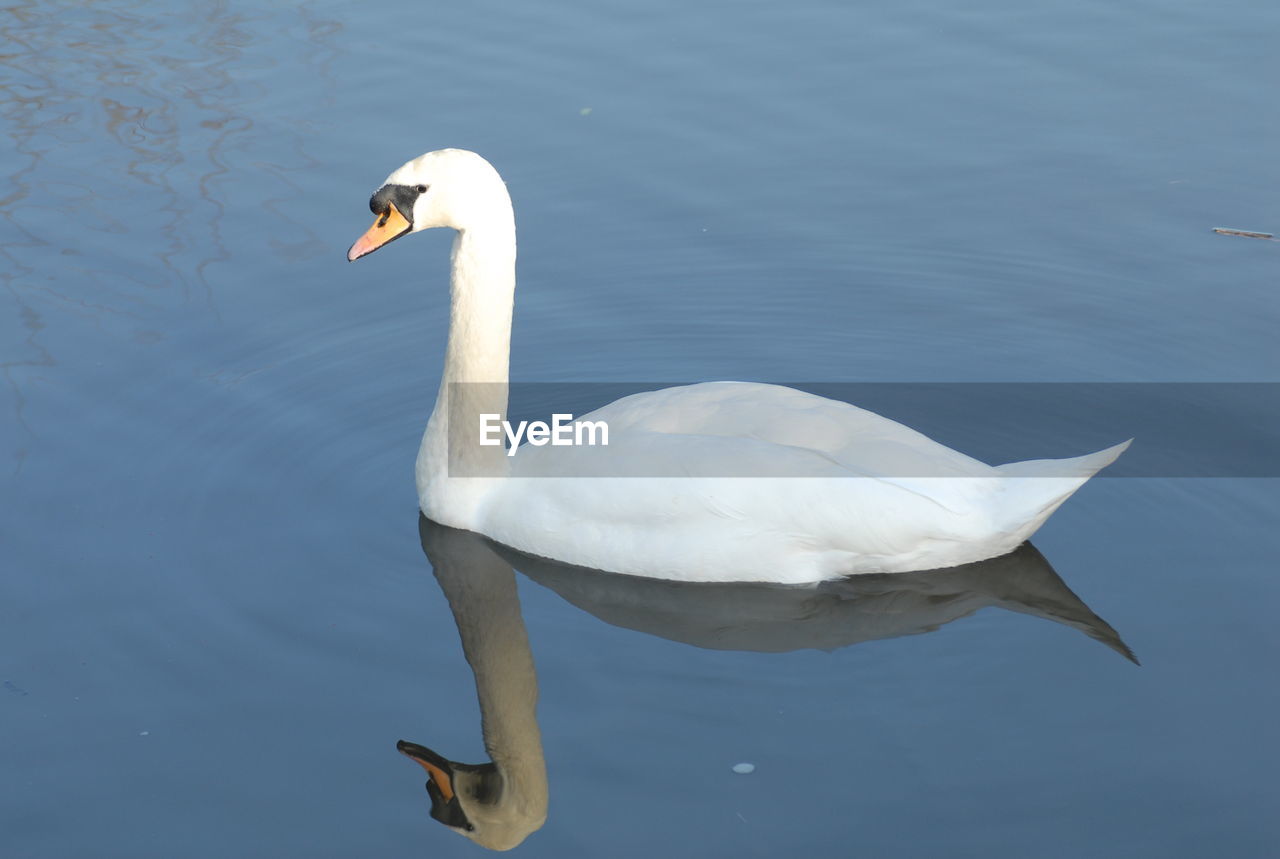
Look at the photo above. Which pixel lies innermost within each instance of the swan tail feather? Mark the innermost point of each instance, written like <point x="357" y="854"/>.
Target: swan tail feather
<point x="1035" y="488"/>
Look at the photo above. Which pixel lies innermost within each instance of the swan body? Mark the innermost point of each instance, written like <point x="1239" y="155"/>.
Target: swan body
<point x="721" y="481"/>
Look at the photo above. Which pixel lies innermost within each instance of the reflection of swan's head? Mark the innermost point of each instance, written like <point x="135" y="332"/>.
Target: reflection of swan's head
<point x="470" y="799"/>
<point x="446" y="188"/>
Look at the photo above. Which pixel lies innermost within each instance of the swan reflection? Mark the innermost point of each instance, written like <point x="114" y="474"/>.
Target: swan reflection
<point x="499" y="803"/>
<point x="496" y="804"/>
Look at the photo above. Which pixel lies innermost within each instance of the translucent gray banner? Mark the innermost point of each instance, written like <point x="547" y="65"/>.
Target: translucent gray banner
<point x="1193" y="429"/>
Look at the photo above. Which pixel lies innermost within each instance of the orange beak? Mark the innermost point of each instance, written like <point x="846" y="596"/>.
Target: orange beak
<point x="388" y="227"/>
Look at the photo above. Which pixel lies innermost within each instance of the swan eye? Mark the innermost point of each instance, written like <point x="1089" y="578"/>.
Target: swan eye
<point x="421" y="189"/>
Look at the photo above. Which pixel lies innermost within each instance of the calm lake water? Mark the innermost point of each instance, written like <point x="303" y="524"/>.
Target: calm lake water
<point x="216" y="616"/>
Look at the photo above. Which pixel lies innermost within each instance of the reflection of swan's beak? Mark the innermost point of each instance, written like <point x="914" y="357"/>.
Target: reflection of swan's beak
<point x="389" y="226"/>
<point x="440" y="769"/>
<point x="444" y="802"/>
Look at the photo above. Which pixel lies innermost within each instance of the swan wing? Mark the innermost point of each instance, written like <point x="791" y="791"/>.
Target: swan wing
<point x="862" y="441"/>
<point x="697" y="484"/>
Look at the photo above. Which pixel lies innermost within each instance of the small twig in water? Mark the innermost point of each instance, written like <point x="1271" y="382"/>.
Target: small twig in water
<point x="1248" y="234"/>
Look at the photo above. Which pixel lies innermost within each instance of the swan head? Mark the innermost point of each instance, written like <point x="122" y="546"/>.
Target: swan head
<point x="476" y="800"/>
<point x="446" y="188"/>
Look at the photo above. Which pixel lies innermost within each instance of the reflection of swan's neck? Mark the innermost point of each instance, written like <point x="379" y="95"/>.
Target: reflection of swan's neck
<point x="497" y="648"/>
<point x="482" y="296"/>
<point x="481" y="589"/>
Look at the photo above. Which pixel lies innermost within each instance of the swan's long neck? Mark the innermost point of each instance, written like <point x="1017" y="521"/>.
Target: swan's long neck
<point x="476" y="366"/>
<point x="482" y="294"/>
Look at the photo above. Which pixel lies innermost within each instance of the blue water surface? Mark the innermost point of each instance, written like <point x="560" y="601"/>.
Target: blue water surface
<point x="216" y="618"/>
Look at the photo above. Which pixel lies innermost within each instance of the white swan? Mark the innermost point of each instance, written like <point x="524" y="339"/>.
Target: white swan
<point x="778" y="485"/>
